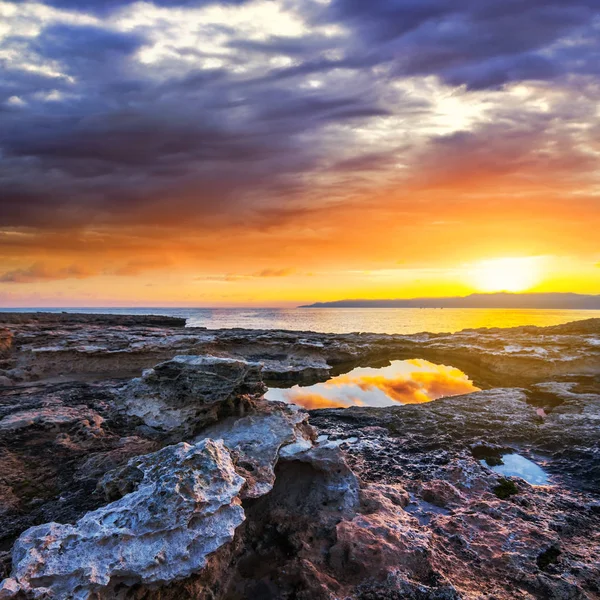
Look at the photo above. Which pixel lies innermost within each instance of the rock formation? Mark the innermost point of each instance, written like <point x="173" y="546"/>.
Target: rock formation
<point x="6" y="337"/>
<point x="188" y="392"/>
<point x="182" y="506"/>
<point x="492" y="357"/>
<point x="139" y="461"/>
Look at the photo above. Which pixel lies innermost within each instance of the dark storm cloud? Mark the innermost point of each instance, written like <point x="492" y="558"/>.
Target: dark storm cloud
<point x="128" y="139"/>
<point x="92" y="135"/>
<point x="118" y="146"/>
<point x="85" y="43"/>
<point x="481" y="43"/>
<point x="319" y="108"/>
<point x="309" y="67"/>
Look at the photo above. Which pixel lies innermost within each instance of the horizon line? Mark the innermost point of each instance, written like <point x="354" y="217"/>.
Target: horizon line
<point x="296" y="305"/>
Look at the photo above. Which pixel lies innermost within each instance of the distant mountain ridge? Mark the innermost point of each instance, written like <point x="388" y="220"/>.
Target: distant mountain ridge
<point x="498" y="300"/>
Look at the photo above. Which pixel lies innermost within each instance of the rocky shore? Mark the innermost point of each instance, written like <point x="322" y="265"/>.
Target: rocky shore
<point x="140" y="460"/>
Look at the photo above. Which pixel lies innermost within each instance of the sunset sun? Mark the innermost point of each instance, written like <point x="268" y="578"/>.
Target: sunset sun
<point x="506" y="274"/>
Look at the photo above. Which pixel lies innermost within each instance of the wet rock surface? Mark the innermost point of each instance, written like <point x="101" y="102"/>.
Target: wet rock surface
<point x="415" y="441"/>
<point x="138" y="460"/>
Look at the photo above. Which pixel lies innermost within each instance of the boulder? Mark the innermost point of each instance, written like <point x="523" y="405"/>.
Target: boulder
<point x="189" y="392"/>
<point x="183" y="505"/>
<point x="258" y="440"/>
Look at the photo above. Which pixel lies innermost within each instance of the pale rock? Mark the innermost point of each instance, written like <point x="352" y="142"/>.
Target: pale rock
<point x="186" y="392"/>
<point x="184" y="506"/>
<point x="340" y="482"/>
<point x="54" y="416"/>
<point x="258" y="440"/>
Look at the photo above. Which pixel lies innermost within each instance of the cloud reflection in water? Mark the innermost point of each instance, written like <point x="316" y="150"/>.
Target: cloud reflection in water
<point x="403" y="381"/>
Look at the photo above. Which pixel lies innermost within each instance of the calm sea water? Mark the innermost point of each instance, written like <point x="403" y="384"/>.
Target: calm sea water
<point x="346" y="320"/>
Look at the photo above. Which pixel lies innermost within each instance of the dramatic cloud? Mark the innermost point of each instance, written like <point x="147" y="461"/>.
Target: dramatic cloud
<point x="405" y="382"/>
<point x="105" y="6"/>
<point x="478" y="43"/>
<point x="311" y="401"/>
<point x="41" y="272"/>
<point x="425" y="383"/>
<point x="210" y="133"/>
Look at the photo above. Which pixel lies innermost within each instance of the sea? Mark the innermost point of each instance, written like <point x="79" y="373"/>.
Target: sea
<point x="347" y="320"/>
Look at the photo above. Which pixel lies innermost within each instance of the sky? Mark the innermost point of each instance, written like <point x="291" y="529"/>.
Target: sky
<point x="278" y="152"/>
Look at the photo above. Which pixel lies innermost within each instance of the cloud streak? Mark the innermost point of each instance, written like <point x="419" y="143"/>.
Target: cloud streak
<point x="41" y="272"/>
<point x="425" y="383"/>
<point x="263" y="274"/>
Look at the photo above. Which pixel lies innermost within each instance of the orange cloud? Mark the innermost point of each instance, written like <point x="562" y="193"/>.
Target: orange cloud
<point x="437" y="385"/>
<point x="233" y="277"/>
<point x="416" y="387"/>
<point x="310" y="400"/>
<point x="274" y="273"/>
<point x="42" y="272"/>
<point x="463" y="218"/>
<point x="135" y="267"/>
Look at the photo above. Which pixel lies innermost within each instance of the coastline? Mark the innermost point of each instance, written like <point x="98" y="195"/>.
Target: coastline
<point x="349" y="320"/>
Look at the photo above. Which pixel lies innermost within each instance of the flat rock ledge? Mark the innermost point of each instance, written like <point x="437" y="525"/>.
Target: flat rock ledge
<point x="153" y="468"/>
<point x="91" y="347"/>
<point x="45" y="319"/>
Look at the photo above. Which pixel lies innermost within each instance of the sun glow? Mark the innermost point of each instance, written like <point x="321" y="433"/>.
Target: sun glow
<point x="506" y="274"/>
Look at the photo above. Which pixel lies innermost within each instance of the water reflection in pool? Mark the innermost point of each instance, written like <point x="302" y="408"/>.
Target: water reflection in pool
<point x="402" y="382"/>
<point x="518" y="466"/>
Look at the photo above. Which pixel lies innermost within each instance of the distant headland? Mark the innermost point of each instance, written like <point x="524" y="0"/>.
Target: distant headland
<point x="559" y="301"/>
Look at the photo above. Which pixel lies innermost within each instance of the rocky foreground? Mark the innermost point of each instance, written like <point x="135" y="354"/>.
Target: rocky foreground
<point x="139" y="460"/>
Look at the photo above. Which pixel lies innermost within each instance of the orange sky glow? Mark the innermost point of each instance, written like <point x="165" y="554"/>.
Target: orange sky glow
<point x="390" y="249"/>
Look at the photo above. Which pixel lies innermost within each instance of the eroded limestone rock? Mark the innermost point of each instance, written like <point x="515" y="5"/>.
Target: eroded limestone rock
<point x="6" y="340"/>
<point x="258" y="440"/>
<point x="183" y="506"/>
<point x="189" y="392"/>
<point x="391" y="503"/>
